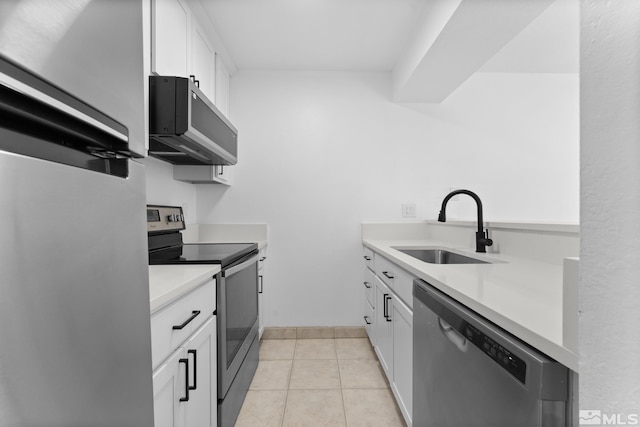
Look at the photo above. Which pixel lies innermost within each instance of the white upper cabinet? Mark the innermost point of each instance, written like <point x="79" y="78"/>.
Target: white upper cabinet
<point x="170" y="41"/>
<point x="180" y="47"/>
<point x="222" y="87"/>
<point x="203" y="62"/>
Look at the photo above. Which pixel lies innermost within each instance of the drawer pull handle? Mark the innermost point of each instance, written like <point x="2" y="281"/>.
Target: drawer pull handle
<point x="367" y="285"/>
<point x="384" y="306"/>
<point x="366" y="320"/>
<point x="387" y="275"/>
<point x="368" y="258"/>
<point x="261" y="283"/>
<point x="186" y="380"/>
<point x="194" y="314"/>
<point x="195" y="370"/>
<point x="387" y="298"/>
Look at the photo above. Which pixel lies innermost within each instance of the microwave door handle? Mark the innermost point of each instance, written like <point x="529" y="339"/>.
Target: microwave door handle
<point x="236" y="268"/>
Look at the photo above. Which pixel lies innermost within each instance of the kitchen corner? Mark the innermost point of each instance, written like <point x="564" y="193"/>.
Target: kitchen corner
<point x="521" y="288"/>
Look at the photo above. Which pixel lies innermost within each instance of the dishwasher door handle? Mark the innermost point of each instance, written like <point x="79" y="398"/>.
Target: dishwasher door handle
<point x="454" y="336"/>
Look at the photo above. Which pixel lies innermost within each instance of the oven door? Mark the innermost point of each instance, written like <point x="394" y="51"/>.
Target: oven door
<point x="237" y="318"/>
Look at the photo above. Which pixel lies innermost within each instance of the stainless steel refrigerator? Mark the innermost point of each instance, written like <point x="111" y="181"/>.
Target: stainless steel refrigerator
<point x="75" y="344"/>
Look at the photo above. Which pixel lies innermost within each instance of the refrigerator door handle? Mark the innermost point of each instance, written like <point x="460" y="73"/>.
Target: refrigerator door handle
<point x="31" y="92"/>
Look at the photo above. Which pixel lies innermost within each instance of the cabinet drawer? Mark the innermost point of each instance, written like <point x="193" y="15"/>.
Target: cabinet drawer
<point x="386" y="270"/>
<point x="369" y="321"/>
<point x="182" y="315"/>
<point x="396" y="278"/>
<point x="403" y="286"/>
<point x="368" y="257"/>
<point x="262" y="257"/>
<point x="369" y="286"/>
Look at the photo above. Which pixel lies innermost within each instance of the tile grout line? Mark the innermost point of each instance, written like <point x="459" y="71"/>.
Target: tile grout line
<point x="286" y="396"/>
<point x="344" y="405"/>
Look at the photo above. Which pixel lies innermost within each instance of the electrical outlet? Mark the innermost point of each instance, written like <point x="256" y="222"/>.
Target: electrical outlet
<point x="408" y="210"/>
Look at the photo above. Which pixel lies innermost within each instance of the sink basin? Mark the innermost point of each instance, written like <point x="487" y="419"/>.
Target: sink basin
<point x="440" y="256"/>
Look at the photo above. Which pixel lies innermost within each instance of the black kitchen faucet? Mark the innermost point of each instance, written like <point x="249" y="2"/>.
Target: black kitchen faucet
<point x="482" y="238"/>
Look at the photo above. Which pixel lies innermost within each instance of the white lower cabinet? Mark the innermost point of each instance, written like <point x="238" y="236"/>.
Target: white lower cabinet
<point x="185" y="383"/>
<point x="201" y="410"/>
<point x="391" y="331"/>
<point x="384" y="328"/>
<point x="370" y="304"/>
<point x="262" y="257"/>
<point x="402" y="386"/>
<point x="168" y="383"/>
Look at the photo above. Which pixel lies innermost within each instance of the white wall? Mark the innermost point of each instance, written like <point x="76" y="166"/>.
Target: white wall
<point x="322" y="152"/>
<point x="610" y="207"/>
<point x="162" y="189"/>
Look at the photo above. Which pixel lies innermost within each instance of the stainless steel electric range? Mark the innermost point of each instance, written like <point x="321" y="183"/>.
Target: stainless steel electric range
<point x="237" y="300"/>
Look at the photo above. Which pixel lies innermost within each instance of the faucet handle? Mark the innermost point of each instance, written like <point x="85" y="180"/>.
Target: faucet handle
<point x="486" y="240"/>
<point x="482" y="240"/>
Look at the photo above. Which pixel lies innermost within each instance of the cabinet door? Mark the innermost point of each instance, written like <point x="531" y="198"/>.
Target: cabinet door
<point x="384" y="327"/>
<point x="170" y="45"/>
<point x="222" y="87"/>
<point x="203" y="62"/>
<point x="403" y="357"/>
<point x="168" y="389"/>
<point x="261" y="271"/>
<point x="200" y="350"/>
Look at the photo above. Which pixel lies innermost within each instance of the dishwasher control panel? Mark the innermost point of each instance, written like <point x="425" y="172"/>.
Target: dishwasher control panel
<point x="501" y="355"/>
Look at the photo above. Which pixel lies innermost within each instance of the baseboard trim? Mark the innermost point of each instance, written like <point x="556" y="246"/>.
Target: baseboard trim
<point x="318" y="332"/>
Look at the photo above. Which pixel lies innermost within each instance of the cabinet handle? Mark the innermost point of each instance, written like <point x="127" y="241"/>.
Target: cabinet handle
<point x="368" y="258"/>
<point x="387" y="275"/>
<point x="386" y="306"/>
<point x="367" y="285"/>
<point x="194" y="314"/>
<point x="261" y="284"/>
<point x="263" y="258"/>
<point x="195" y="370"/>
<point x="366" y="320"/>
<point x="186" y="380"/>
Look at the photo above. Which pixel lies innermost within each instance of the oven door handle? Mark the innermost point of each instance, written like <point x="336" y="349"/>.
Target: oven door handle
<point x="236" y="268"/>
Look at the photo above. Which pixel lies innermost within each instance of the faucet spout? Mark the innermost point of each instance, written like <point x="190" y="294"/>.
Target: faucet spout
<point x="482" y="239"/>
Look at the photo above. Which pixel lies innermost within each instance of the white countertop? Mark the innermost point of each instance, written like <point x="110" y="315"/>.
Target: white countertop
<point x="522" y="296"/>
<point x="169" y="282"/>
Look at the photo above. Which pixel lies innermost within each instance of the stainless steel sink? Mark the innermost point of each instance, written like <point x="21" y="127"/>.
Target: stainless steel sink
<point x="440" y="256"/>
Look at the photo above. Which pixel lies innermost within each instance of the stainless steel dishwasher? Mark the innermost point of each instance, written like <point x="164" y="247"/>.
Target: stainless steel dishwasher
<point x="468" y="372"/>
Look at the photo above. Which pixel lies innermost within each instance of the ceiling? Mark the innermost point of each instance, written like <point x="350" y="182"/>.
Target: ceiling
<point x="315" y="34"/>
<point x="429" y="46"/>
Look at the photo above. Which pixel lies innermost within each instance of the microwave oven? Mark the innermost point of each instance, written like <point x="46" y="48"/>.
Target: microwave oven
<point x="185" y="128"/>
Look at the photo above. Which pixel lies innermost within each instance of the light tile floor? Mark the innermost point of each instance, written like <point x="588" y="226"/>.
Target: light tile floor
<point x="319" y="382"/>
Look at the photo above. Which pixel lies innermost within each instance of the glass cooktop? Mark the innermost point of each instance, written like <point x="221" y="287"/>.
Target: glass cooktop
<point x="203" y="253"/>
